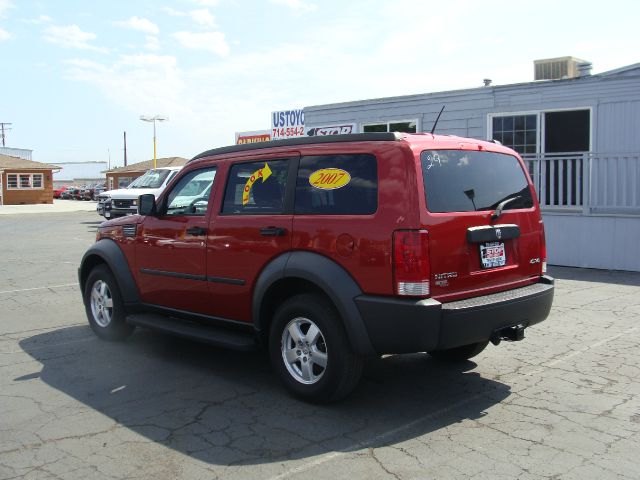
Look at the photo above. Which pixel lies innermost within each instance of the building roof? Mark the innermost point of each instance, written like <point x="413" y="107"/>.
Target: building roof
<point x="16" y="163"/>
<point x="147" y="164"/>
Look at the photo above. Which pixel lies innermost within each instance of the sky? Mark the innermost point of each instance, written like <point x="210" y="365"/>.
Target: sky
<point x="75" y="74"/>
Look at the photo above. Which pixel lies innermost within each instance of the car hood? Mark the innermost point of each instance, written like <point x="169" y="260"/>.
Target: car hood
<point x="128" y="193"/>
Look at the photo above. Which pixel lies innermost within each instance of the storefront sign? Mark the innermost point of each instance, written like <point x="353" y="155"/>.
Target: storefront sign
<point x="287" y="124"/>
<point x="252" y="137"/>
<point x="343" y="129"/>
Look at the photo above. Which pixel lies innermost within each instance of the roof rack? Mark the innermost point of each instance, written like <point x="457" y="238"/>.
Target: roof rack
<point x="353" y="137"/>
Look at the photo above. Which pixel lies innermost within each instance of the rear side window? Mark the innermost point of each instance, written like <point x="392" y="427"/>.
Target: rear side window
<point x="337" y="185"/>
<point x="467" y="181"/>
<point x="256" y="188"/>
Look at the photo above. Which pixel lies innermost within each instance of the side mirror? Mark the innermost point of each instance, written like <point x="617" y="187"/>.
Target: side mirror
<point x="147" y="204"/>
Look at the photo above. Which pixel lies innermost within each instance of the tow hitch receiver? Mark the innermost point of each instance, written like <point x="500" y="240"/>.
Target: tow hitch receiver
<point x="515" y="333"/>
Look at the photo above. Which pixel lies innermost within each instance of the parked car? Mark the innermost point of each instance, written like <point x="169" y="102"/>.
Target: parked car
<point x="124" y="201"/>
<point x="88" y="191"/>
<point x="57" y="192"/>
<point x="326" y="250"/>
<point x="100" y="188"/>
<point x="69" y="193"/>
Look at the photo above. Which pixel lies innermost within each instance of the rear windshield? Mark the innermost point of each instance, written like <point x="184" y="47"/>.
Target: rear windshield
<point x="467" y="181"/>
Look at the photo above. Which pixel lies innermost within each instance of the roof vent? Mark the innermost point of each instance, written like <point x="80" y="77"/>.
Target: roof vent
<point x="557" y="68"/>
<point x="487" y="82"/>
<point x="584" y="69"/>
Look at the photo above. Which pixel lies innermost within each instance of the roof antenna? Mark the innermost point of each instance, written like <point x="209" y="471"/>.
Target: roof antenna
<point x="436" y="122"/>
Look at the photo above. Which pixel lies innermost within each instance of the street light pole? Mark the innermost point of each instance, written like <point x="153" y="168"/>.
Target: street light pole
<point x="154" y="119"/>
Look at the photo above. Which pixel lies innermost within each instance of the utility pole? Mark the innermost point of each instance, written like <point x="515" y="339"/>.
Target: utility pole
<point x="4" y="126"/>
<point x="125" y="149"/>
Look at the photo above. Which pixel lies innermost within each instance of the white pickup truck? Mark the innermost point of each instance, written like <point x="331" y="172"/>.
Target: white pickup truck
<point x="124" y="201"/>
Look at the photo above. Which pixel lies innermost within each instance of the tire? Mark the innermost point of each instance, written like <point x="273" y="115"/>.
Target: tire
<point x="323" y="368"/>
<point x="459" y="354"/>
<point x="104" y="306"/>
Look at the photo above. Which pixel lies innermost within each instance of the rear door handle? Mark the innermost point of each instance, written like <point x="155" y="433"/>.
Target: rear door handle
<point x="273" y="232"/>
<point x="196" y="231"/>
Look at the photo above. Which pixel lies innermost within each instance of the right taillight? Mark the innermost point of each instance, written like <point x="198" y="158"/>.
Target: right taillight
<point x="411" y="268"/>
<point x="543" y="244"/>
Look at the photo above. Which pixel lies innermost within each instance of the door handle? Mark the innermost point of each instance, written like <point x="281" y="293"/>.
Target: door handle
<point x="196" y="231"/>
<point x="273" y="232"/>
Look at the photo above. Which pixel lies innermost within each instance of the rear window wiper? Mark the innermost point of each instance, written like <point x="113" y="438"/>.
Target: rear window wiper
<point x="498" y="211"/>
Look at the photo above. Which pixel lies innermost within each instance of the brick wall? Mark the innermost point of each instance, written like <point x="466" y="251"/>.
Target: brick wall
<point x="118" y="177"/>
<point x="28" y="196"/>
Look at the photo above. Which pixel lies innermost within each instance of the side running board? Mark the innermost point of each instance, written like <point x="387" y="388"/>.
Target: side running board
<point x="218" y="337"/>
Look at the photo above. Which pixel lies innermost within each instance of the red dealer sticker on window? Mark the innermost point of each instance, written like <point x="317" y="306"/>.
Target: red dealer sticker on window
<point x="329" y="178"/>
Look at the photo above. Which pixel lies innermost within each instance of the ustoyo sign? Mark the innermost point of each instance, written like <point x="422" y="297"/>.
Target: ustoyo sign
<point x="287" y="124"/>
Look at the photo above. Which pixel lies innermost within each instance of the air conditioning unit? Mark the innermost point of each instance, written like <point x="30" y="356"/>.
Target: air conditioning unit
<point x="559" y="68"/>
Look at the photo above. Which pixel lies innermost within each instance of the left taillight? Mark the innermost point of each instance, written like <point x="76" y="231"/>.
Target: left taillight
<point x="543" y="244"/>
<point x="411" y="269"/>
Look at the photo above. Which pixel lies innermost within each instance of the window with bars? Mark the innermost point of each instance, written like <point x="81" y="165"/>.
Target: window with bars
<point x="24" y="181"/>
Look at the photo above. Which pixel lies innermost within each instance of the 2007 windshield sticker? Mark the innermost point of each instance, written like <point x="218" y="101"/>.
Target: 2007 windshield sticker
<point x="262" y="173"/>
<point x="329" y="178"/>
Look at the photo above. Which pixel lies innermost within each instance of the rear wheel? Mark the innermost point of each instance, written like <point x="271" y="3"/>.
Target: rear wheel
<point x="104" y="305"/>
<point x="458" y="354"/>
<point x="310" y="351"/>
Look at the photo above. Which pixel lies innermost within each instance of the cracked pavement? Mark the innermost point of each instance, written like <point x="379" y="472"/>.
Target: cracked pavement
<point x="563" y="403"/>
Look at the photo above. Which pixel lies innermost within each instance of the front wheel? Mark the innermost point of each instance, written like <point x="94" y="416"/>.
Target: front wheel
<point x="459" y="354"/>
<point x="104" y="305"/>
<point x="310" y="350"/>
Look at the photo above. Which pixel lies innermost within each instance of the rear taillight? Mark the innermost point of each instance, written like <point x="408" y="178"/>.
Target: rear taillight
<point x="411" y="263"/>
<point x="543" y="243"/>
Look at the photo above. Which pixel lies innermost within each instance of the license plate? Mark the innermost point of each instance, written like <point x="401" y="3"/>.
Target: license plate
<point x="492" y="255"/>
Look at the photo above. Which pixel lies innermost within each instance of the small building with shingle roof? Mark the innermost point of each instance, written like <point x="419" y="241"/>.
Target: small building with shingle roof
<point x="25" y="182"/>
<point x="123" y="176"/>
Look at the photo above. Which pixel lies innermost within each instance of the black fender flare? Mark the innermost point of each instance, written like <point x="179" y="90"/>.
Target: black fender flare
<point x="110" y="253"/>
<point x="328" y="276"/>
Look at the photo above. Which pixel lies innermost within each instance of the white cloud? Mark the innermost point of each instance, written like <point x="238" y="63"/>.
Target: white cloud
<point x="140" y="24"/>
<point x="202" y="17"/>
<point x="4" y="35"/>
<point x="152" y="43"/>
<point x="40" y="20"/>
<point x="207" y="3"/>
<point x="173" y="12"/>
<point x="299" y="6"/>
<point x="71" y="36"/>
<point x="4" y="6"/>
<point x="210" y="41"/>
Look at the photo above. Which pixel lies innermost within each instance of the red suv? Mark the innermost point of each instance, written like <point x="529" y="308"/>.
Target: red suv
<point x="326" y="250"/>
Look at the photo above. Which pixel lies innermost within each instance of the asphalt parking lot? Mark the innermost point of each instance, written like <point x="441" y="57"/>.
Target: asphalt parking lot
<point x="564" y="403"/>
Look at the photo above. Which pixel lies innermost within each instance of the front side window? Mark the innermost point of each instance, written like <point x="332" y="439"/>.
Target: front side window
<point x="256" y="188"/>
<point x="191" y="194"/>
<point x="337" y="185"/>
<point x="467" y="181"/>
<point x="396" y="126"/>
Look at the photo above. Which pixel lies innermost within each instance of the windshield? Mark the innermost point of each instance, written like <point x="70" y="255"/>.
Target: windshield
<point x="151" y="179"/>
<point x="466" y="181"/>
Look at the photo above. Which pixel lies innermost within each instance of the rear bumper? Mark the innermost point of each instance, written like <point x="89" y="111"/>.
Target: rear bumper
<point x="405" y="326"/>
